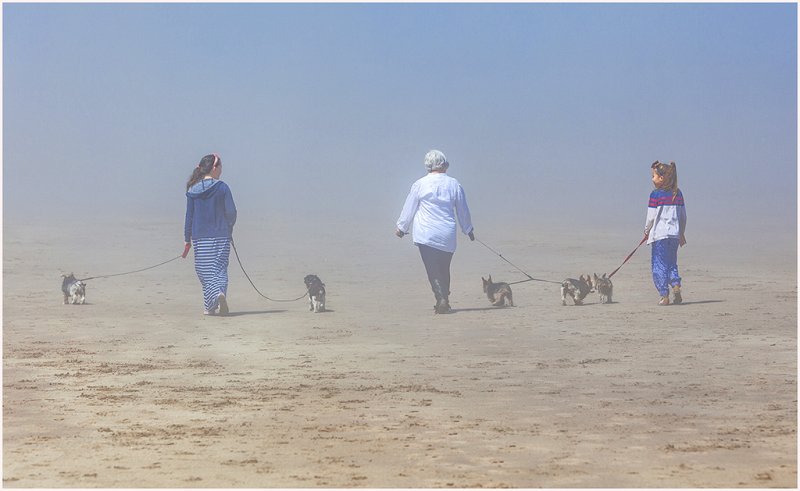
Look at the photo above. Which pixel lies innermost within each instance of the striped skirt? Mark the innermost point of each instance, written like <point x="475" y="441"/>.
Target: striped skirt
<point x="211" y="264"/>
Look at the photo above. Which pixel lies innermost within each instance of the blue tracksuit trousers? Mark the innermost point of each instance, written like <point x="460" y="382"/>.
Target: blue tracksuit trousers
<point x="665" y="265"/>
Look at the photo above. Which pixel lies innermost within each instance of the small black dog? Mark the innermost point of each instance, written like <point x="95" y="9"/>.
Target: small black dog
<point x="498" y="293"/>
<point x="316" y="293"/>
<point x="74" y="290"/>
<point x="576" y="289"/>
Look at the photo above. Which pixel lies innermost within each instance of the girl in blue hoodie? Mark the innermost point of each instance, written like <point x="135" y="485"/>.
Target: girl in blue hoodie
<point x="210" y="216"/>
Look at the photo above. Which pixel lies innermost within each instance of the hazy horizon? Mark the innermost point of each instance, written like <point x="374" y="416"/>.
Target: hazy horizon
<point x="548" y="113"/>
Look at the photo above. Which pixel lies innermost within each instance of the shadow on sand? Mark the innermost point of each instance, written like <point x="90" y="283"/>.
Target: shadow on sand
<point x="586" y="304"/>
<point x="253" y="312"/>
<point x="697" y="302"/>
<point x="477" y="309"/>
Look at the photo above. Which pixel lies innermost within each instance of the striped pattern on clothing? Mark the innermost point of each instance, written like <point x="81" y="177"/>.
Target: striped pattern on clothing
<point x="666" y="215"/>
<point x="663" y="197"/>
<point x="211" y="264"/>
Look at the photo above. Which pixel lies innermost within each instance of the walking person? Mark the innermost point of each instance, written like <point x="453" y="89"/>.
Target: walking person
<point x="433" y="204"/>
<point x="210" y="216"/>
<point x="664" y="229"/>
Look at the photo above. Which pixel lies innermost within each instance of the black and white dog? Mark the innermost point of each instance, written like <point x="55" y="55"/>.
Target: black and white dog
<point x="576" y="289"/>
<point x="316" y="293"/>
<point x="74" y="290"/>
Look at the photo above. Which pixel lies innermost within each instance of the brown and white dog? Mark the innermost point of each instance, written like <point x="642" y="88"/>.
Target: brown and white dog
<point x="498" y="293"/>
<point x="604" y="287"/>
<point x="74" y="290"/>
<point x="316" y="293"/>
<point x="577" y="289"/>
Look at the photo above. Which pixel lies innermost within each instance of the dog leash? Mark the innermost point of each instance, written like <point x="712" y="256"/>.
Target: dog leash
<point x="530" y="278"/>
<point x="655" y="222"/>
<point x="253" y="284"/>
<point x="629" y="256"/>
<point x="131" y="272"/>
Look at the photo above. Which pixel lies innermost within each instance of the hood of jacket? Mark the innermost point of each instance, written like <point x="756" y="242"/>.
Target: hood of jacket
<point x="203" y="189"/>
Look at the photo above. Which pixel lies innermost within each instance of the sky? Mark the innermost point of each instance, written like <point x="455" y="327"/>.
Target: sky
<point x="548" y="113"/>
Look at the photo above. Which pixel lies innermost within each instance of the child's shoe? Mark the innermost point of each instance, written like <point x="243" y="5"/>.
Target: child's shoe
<point x="676" y="294"/>
<point x="664" y="300"/>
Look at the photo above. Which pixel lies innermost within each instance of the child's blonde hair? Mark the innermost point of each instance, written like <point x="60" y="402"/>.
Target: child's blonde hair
<point x="670" y="174"/>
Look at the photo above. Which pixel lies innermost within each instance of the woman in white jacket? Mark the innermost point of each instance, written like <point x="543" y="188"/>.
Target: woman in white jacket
<point x="432" y="205"/>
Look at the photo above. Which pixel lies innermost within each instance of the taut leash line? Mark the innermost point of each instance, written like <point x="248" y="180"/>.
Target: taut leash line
<point x="629" y="256"/>
<point x="523" y="281"/>
<point x="131" y="272"/>
<point x="530" y="278"/>
<point x="253" y="284"/>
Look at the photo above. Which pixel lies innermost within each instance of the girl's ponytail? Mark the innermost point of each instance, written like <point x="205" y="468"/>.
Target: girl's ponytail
<point x="670" y="174"/>
<point x="203" y="168"/>
<point x="674" y="183"/>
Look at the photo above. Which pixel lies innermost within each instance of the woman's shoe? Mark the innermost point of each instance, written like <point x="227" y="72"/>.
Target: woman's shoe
<point x="223" y="304"/>
<point x="664" y="300"/>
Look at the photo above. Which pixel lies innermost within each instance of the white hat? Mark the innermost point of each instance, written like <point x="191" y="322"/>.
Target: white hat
<point x="435" y="160"/>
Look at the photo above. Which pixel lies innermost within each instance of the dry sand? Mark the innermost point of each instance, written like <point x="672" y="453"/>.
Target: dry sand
<point x="138" y="389"/>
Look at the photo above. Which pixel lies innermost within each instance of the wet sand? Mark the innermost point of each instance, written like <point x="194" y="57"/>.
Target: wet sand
<point x="138" y="389"/>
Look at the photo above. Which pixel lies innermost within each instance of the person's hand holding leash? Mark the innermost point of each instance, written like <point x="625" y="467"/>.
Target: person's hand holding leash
<point x="399" y="233"/>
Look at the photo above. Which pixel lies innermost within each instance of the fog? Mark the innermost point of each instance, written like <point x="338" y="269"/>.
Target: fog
<point x="550" y="114"/>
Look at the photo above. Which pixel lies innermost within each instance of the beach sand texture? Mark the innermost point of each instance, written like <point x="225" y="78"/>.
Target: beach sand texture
<point x="138" y="389"/>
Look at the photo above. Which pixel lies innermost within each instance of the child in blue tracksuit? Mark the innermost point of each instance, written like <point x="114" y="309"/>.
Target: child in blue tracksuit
<point x="664" y="229"/>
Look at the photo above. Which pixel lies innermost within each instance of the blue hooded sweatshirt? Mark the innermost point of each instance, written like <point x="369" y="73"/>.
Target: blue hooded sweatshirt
<point x="210" y="211"/>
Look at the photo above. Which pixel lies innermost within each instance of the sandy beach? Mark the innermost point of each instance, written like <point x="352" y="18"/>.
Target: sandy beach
<point x="139" y="389"/>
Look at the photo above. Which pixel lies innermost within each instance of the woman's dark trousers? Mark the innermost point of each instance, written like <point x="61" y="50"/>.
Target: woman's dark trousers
<point x="437" y="265"/>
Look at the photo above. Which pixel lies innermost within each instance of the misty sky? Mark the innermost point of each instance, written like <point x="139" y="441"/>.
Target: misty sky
<point x="547" y="112"/>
